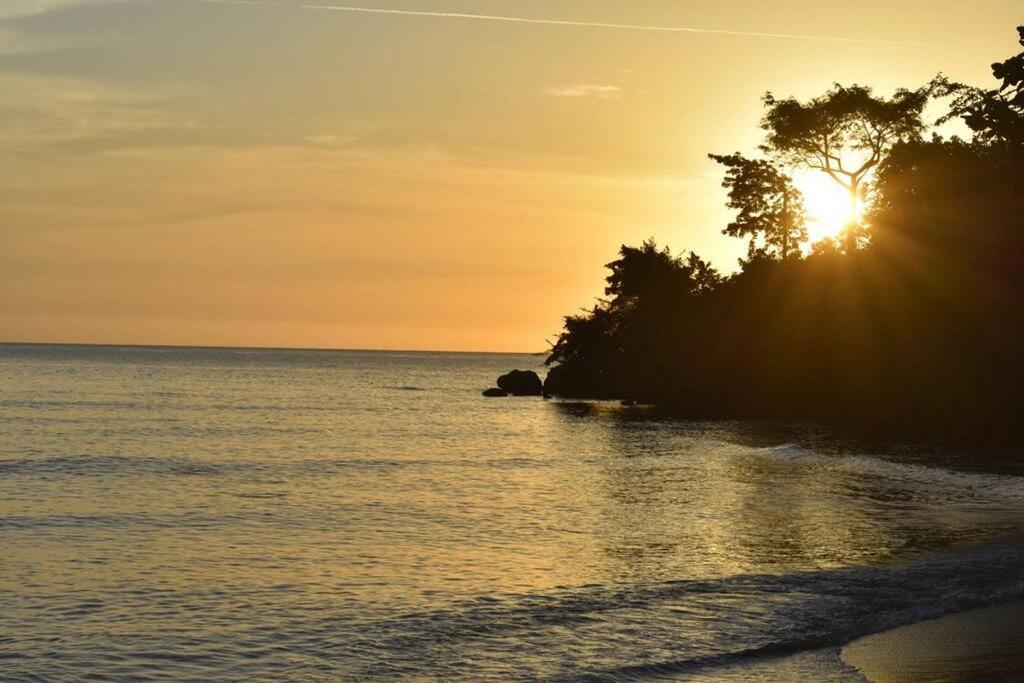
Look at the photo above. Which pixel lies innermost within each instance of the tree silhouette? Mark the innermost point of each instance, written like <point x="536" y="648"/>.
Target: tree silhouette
<point x="704" y="277"/>
<point x="995" y="115"/>
<point x="768" y="206"/>
<point x="626" y="343"/>
<point x="650" y="273"/>
<point x="826" y="131"/>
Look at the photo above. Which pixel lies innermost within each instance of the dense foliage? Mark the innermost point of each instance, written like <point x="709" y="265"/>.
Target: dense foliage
<point x="915" y="326"/>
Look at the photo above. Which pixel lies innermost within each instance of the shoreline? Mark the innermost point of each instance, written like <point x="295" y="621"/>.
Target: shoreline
<point x="986" y="643"/>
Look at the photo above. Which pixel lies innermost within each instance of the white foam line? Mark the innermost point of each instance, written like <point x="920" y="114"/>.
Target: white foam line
<point x="561" y="22"/>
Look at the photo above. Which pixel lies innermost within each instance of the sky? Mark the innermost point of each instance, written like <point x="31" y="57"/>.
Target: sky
<point x="195" y="172"/>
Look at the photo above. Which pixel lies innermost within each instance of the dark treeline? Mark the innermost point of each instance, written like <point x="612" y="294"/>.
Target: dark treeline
<point x="910" y="320"/>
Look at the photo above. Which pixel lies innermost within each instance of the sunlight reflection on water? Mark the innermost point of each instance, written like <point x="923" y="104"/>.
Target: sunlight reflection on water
<point x="219" y="514"/>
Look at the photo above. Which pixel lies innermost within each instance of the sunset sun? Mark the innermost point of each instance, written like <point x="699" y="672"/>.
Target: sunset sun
<point x="827" y="204"/>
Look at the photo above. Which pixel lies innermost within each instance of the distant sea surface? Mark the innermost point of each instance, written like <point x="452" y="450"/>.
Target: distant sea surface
<point x="249" y="515"/>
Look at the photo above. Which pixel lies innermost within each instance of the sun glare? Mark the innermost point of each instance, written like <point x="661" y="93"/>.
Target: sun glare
<point x="827" y="204"/>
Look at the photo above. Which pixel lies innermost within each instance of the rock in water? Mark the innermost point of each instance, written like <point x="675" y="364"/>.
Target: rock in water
<point x="562" y="381"/>
<point x="495" y="393"/>
<point x="521" y="383"/>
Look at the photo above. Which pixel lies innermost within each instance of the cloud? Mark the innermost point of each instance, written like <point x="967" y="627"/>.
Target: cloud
<point x="330" y="140"/>
<point x="11" y="9"/>
<point x="53" y="112"/>
<point x="603" y="92"/>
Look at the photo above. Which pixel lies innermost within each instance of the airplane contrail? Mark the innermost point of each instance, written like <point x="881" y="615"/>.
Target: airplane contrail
<point x="560" y="22"/>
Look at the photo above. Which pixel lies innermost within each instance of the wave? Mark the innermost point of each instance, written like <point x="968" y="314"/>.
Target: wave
<point x="148" y="521"/>
<point x="72" y="465"/>
<point x="977" y="484"/>
<point x="617" y="632"/>
<point x="786" y="451"/>
<point x="181" y="403"/>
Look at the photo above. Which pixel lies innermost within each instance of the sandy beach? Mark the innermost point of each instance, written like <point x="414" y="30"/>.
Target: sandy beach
<point x="978" y="645"/>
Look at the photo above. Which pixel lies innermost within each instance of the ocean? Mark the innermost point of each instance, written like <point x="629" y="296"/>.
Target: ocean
<point x="248" y="515"/>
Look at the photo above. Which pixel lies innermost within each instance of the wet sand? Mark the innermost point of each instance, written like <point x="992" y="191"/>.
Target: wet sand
<point x="979" y="645"/>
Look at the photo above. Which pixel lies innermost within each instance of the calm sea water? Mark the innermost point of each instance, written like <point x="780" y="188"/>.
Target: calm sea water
<point x="197" y="514"/>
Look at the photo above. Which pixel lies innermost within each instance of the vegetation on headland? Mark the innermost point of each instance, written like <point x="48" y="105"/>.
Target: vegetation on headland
<point x="911" y="319"/>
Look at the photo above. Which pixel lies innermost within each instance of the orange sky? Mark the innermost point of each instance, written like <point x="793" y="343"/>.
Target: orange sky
<point x="178" y="172"/>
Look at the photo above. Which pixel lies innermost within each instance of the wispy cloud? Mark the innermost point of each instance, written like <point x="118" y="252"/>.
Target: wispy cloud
<point x="330" y="140"/>
<point x="10" y="9"/>
<point x="557" y="22"/>
<point x="54" y="111"/>
<point x="604" y="92"/>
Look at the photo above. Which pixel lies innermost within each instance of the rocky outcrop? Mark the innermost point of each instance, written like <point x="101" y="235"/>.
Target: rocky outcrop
<point x="556" y="384"/>
<point x="521" y="383"/>
<point x="495" y="393"/>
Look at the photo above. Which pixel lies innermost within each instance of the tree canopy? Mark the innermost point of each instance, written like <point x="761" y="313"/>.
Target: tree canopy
<point x="843" y="133"/>
<point x="768" y="207"/>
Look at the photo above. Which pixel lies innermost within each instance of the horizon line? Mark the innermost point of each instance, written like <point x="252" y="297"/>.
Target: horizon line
<point x="228" y="347"/>
<point x="563" y="22"/>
